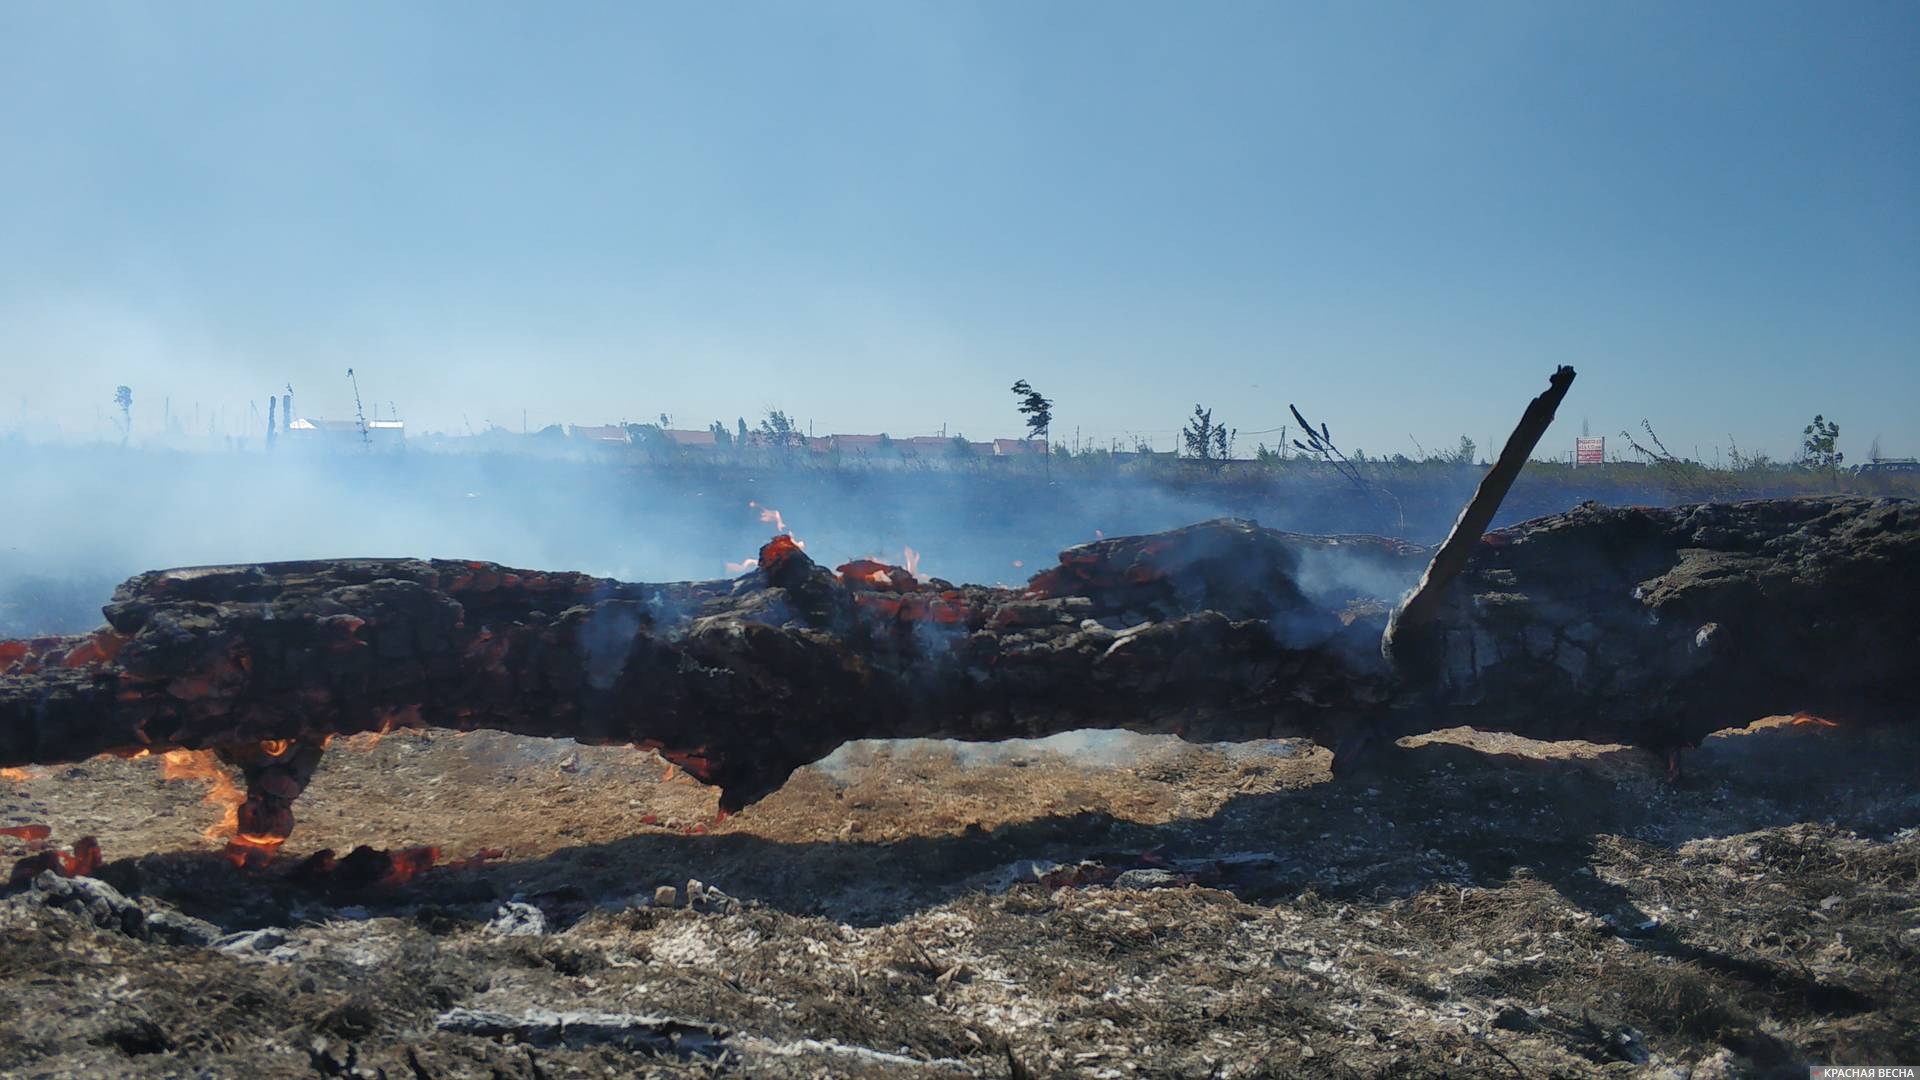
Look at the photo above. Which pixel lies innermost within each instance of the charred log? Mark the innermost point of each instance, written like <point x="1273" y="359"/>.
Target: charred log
<point x="1652" y="627"/>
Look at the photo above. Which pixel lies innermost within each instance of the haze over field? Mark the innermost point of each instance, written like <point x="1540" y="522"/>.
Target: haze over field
<point x="876" y="216"/>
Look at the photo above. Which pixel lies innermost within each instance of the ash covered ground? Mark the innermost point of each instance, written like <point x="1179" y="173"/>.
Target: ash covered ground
<point x="1484" y="905"/>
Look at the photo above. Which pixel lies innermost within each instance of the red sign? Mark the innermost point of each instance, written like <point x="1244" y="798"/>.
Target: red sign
<point x="1589" y="451"/>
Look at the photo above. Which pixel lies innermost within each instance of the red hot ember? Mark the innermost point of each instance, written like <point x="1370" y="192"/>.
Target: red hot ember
<point x="84" y="860"/>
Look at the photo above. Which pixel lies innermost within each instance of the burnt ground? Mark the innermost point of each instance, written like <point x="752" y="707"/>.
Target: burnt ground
<point x="1483" y="906"/>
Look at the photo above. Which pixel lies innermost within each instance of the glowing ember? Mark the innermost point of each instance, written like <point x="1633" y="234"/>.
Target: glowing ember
<point x="366" y="866"/>
<point x="768" y="516"/>
<point x="1810" y="720"/>
<point x="250" y="850"/>
<point x="275" y="747"/>
<point x="408" y="862"/>
<point x="18" y="775"/>
<point x="27" y="832"/>
<point x="777" y="553"/>
<point x="85" y="859"/>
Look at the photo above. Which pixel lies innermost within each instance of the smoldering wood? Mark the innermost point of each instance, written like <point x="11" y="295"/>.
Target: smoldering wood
<point x="1450" y="558"/>
<point x="1652" y="627"/>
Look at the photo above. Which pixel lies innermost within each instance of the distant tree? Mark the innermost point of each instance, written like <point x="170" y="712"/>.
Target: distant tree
<point x="1039" y="413"/>
<point x="123" y="397"/>
<point x="780" y="431"/>
<point x="740" y="433"/>
<point x="1205" y="439"/>
<point x="1464" y="454"/>
<point x="885" y="445"/>
<point x="1819" y="444"/>
<point x="1266" y="455"/>
<point x="722" y="438"/>
<point x="653" y="440"/>
<point x="961" y="447"/>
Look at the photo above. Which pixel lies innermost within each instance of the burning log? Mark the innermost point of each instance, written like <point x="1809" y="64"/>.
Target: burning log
<point x="1652" y="627"/>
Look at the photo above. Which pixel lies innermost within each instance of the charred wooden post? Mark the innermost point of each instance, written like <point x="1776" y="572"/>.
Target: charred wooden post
<point x="1652" y="627"/>
<point x="276" y="771"/>
<point x="1424" y="602"/>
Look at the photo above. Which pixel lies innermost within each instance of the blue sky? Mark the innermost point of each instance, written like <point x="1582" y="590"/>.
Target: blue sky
<point x="878" y="215"/>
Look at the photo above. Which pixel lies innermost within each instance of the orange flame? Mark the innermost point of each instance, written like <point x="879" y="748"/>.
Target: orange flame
<point x="221" y="790"/>
<point x="18" y="775"/>
<point x="367" y="740"/>
<point x="275" y="747"/>
<point x="1804" y="719"/>
<point x="250" y="849"/>
<point x="768" y="516"/>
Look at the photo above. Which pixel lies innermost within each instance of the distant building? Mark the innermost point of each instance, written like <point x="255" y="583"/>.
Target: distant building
<point x="857" y="444"/>
<point x="600" y="434"/>
<point x="702" y="441"/>
<point x="347" y="434"/>
<point x="1891" y="465"/>
<point x="1011" y="447"/>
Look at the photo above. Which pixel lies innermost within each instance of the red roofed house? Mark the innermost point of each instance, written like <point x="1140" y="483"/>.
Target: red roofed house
<point x="701" y="441"/>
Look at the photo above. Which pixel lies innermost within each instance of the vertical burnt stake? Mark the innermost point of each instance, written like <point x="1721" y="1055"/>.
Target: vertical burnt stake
<point x="1423" y="603"/>
<point x="274" y="781"/>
